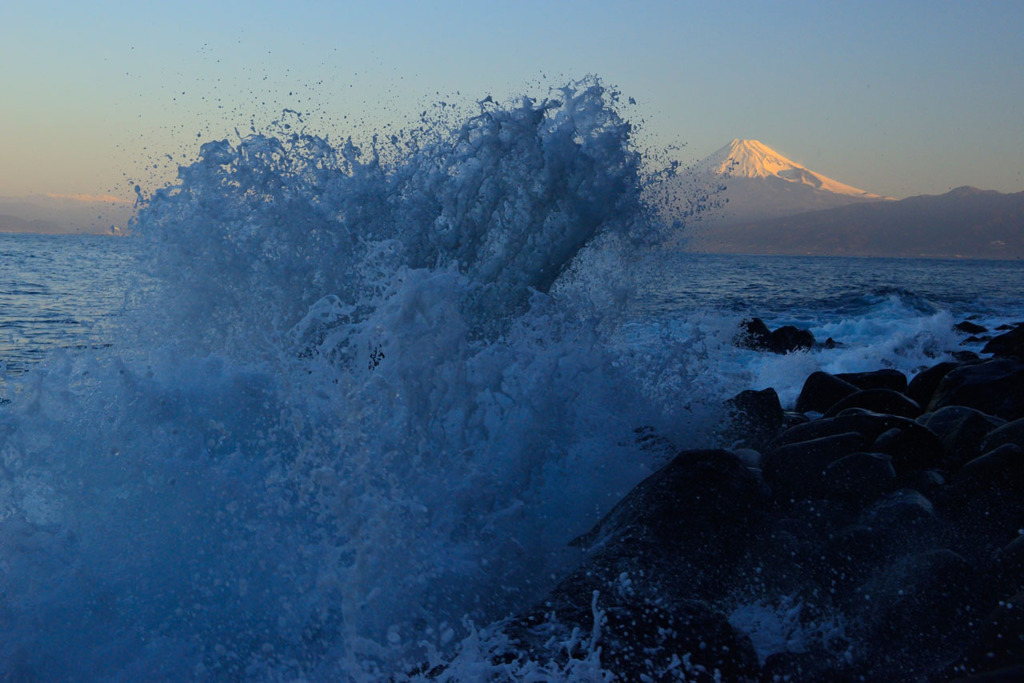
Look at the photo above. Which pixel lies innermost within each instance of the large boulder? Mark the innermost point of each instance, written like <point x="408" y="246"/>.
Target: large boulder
<point x="961" y="431"/>
<point x="995" y="387"/>
<point x="887" y="378"/>
<point x="1010" y="344"/>
<point x="922" y="387"/>
<point x="821" y="391"/>
<point x="756" y="417"/>
<point x="884" y="401"/>
<point x="796" y="470"/>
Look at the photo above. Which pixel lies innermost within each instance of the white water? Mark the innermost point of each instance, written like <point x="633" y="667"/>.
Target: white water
<point x="363" y="402"/>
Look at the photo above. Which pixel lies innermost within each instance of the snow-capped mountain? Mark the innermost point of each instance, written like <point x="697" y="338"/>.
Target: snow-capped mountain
<point x="754" y="159"/>
<point x="747" y="180"/>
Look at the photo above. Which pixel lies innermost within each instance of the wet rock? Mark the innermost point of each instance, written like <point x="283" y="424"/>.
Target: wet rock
<point x="926" y="482"/>
<point x="915" y="606"/>
<point x="756" y="417"/>
<point x="651" y="641"/>
<point x="912" y="446"/>
<point x="967" y="327"/>
<point x="878" y="401"/>
<point x="1009" y="344"/>
<point x="1011" y="432"/>
<point x="806" y="666"/>
<point x="870" y="423"/>
<point x="698" y="493"/>
<point x="637" y="637"/>
<point x="788" y="338"/>
<point x="1006" y="573"/>
<point x="922" y="387"/>
<point x="814" y="429"/>
<point x="904" y="516"/>
<point x="961" y="431"/>
<point x="795" y="470"/>
<point x="754" y="334"/>
<point x="1000" y="470"/>
<point x="821" y="391"/>
<point x="998" y="644"/>
<point x="877" y="379"/>
<point x="858" y="477"/>
<point x="995" y="387"/>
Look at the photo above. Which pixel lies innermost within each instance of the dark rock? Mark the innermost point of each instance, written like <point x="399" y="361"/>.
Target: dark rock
<point x="1007" y="571"/>
<point x="912" y="447"/>
<point x="756" y="417"/>
<point x="1010" y="674"/>
<point x="639" y="638"/>
<point x="926" y="482"/>
<point x="869" y="423"/>
<point x="999" y="470"/>
<point x="795" y="470"/>
<point x="995" y="387"/>
<point x="1011" y="432"/>
<point x="697" y="493"/>
<point x="965" y="356"/>
<point x="806" y="666"/>
<point x="961" y="431"/>
<point x="791" y="418"/>
<point x="879" y="401"/>
<point x="1010" y="344"/>
<point x="858" y="477"/>
<point x="853" y="554"/>
<point x="645" y="640"/>
<point x="998" y="645"/>
<point x="985" y="499"/>
<point x="967" y="327"/>
<point x="754" y="334"/>
<point x="789" y="338"/>
<point x="923" y="385"/>
<point x="916" y="606"/>
<point x="877" y="379"/>
<point x="806" y="431"/>
<point x="821" y="391"/>
<point x="905" y="516"/>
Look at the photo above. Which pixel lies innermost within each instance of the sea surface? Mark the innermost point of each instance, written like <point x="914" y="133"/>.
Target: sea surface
<point x="58" y="291"/>
<point x="332" y="415"/>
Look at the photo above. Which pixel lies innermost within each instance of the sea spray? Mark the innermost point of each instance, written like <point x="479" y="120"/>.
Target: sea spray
<point x="365" y="396"/>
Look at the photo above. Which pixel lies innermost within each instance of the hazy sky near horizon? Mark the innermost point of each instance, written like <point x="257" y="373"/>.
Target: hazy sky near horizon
<point x="898" y="98"/>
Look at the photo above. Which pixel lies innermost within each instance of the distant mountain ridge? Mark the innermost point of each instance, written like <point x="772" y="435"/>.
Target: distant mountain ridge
<point x="64" y="214"/>
<point x="965" y="222"/>
<point x="748" y="180"/>
<point x="16" y="224"/>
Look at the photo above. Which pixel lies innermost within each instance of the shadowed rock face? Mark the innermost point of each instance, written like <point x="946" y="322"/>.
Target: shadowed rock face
<point x="908" y="530"/>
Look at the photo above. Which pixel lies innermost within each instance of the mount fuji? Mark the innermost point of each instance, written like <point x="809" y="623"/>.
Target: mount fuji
<point x="747" y="180"/>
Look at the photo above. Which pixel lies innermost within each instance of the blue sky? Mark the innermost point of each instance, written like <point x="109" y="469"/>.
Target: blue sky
<point x="898" y="98"/>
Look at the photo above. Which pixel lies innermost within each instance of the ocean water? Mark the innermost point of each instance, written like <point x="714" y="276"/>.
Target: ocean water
<point x="330" y="413"/>
<point x="57" y="291"/>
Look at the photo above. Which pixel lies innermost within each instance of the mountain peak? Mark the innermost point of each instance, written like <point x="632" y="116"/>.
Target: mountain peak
<point x="754" y="159"/>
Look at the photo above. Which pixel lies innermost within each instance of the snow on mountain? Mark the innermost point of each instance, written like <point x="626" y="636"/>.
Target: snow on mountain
<point x="754" y="159"/>
<point x="748" y="181"/>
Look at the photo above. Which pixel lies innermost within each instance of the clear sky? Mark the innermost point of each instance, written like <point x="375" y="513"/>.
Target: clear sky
<point x="898" y="98"/>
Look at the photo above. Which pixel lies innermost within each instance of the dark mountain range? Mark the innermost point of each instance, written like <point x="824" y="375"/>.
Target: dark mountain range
<point x="15" y="224"/>
<point x="965" y="222"/>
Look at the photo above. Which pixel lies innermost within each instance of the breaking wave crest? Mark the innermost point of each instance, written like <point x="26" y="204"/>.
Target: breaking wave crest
<point x="363" y="400"/>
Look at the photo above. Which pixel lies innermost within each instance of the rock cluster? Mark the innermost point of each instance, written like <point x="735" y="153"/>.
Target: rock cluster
<point x="892" y="509"/>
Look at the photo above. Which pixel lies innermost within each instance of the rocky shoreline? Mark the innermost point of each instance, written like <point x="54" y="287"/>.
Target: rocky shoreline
<point x="880" y="524"/>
